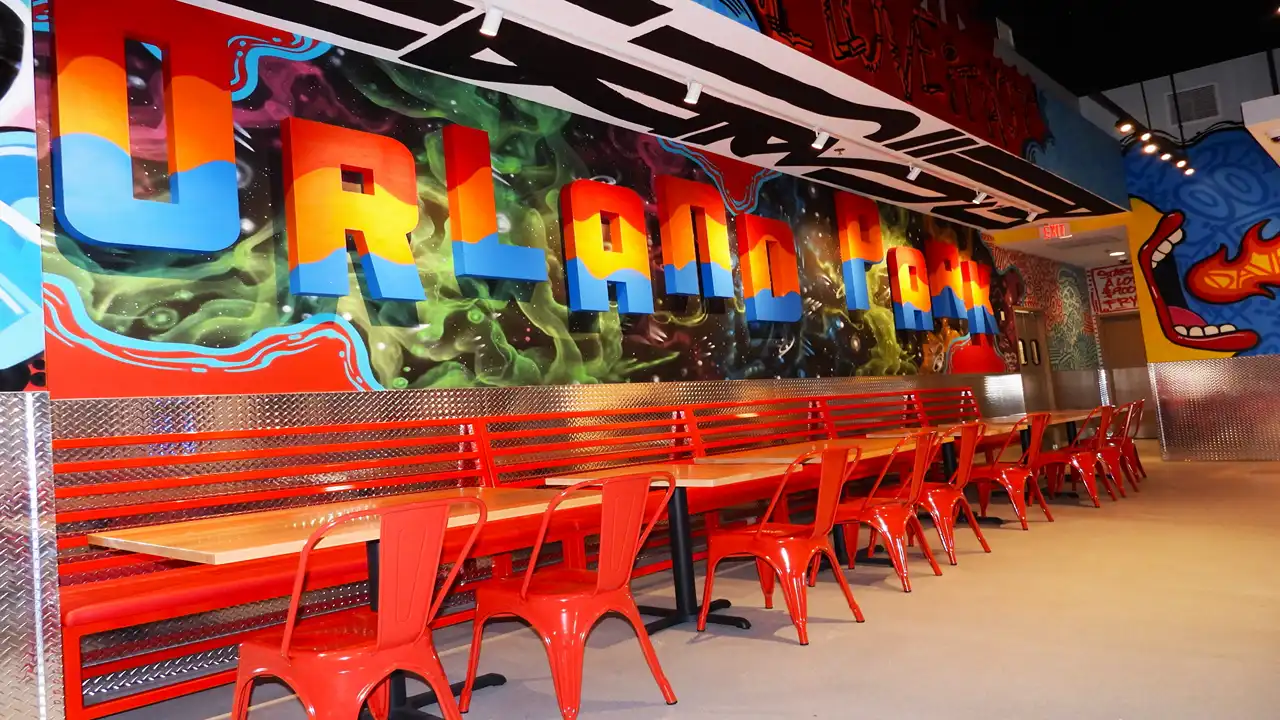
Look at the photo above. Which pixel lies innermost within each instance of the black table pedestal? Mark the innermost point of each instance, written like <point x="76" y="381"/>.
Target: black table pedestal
<point x="687" y="608"/>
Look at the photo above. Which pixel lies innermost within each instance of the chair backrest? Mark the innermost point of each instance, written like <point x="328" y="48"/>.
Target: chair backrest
<point x="1094" y="441"/>
<point x="1139" y="407"/>
<point x="410" y="550"/>
<point x="1035" y="423"/>
<point x="940" y="407"/>
<point x="967" y="437"/>
<point x="924" y="444"/>
<point x="1121" y="421"/>
<point x="623" y="527"/>
<point x="835" y="471"/>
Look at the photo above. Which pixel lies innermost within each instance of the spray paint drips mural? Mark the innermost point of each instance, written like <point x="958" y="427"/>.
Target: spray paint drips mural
<point x="224" y="320"/>
<point x="21" y="330"/>
<point x="1205" y="248"/>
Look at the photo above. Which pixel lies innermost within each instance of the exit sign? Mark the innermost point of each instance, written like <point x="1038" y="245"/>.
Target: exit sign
<point x="1055" y="231"/>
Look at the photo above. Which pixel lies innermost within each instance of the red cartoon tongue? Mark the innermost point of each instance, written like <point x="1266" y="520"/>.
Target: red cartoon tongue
<point x="1185" y="318"/>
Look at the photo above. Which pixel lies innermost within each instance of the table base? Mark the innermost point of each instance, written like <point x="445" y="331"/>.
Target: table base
<point x="670" y="617"/>
<point x="405" y="707"/>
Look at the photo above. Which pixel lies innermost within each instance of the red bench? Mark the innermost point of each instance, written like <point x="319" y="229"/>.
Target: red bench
<point x="124" y="612"/>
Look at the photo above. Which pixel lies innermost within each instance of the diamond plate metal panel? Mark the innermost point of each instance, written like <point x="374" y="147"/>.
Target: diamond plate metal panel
<point x="1220" y="409"/>
<point x="30" y="646"/>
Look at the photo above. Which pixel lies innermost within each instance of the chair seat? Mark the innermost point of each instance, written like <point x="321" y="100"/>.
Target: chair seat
<point x="355" y="629"/>
<point x="556" y="581"/>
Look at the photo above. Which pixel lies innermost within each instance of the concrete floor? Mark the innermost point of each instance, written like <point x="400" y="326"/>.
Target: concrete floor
<point x="1164" y="605"/>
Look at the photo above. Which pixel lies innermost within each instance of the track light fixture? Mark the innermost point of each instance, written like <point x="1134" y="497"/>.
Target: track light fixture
<point x="820" y="139"/>
<point x="1145" y="136"/>
<point x="1031" y="216"/>
<point x="492" y="21"/>
<point x="1166" y="157"/>
<point x="693" y="93"/>
<point x="1150" y="148"/>
<point x="1125" y="126"/>
<point x="979" y="198"/>
<point x="1181" y="164"/>
<point x="1189" y="171"/>
<point x="913" y="173"/>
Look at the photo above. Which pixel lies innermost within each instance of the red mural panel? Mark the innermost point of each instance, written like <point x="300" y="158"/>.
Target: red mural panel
<point x="911" y="51"/>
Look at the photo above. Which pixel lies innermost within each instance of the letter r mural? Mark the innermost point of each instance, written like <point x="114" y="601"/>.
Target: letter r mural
<point x="909" y="287"/>
<point x="377" y="208"/>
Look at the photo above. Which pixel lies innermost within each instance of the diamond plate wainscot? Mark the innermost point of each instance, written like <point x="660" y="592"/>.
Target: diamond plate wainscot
<point x="30" y="641"/>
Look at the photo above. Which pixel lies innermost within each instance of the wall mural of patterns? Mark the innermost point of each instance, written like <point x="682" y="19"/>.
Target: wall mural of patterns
<point x="224" y="321"/>
<point x="1061" y="292"/>
<point x="21" y="330"/>
<point x="1206" y="248"/>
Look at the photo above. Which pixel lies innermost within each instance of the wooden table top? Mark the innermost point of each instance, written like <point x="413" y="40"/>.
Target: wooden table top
<point x="237" y="538"/>
<point x="688" y="475"/>
<point x="786" y="454"/>
<point x="1056" y="417"/>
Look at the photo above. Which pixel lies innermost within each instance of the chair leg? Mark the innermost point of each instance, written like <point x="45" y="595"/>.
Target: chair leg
<point x="1038" y="496"/>
<point x="473" y="662"/>
<point x="844" y="585"/>
<point x="1015" y="485"/>
<point x="566" y="650"/>
<point x="814" y="567"/>
<point x="851" y="532"/>
<point x="914" y="527"/>
<point x="796" y="593"/>
<point x="380" y="701"/>
<point x="243" y="695"/>
<point x="432" y="672"/>
<point x="711" y="581"/>
<point x="945" y="524"/>
<point x="1137" y="459"/>
<point x="766" y="582"/>
<point x="1110" y="462"/>
<point x="896" y="546"/>
<point x="1085" y="473"/>
<point x="632" y="614"/>
<point x="984" y="497"/>
<point x="973" y="524"/>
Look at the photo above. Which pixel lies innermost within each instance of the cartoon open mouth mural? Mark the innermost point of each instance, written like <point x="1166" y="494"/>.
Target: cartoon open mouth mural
<point x="1181" y="325"/>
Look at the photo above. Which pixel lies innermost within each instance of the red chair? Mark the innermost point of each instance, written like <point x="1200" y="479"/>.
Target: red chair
<point x="1083" y="456"/>
<point x="562" y="603"/>
<point x="1114" y="447"/>
<point x="893" y="517"/>
<point x="1131" y="449"/>
<point x="1015" y="477"/>
<point x="942" y="500"/>
<point x="336" y="662"/>
<point x="789" y="550"/>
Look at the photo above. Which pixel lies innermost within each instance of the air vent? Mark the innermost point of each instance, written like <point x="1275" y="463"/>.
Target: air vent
<point x="1196" y="104"/>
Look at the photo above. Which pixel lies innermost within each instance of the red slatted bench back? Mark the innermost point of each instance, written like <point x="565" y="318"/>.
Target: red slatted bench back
<point x="943" y="407"/>
<point x="857" y="415"/>
<point x="524" y="449"/>
<point x="732" y="426"/>
<point x="117" y="482"/>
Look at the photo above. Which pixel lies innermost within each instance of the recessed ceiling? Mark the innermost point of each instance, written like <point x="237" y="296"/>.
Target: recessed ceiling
<point x="1095" y="45"/>
<point x="1087" y="249"/>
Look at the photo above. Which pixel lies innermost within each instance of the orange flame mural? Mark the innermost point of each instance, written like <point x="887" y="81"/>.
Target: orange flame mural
<point x="1254" y="271"/>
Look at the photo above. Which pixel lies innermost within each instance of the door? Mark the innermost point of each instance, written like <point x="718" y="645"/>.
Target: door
<point x="1033" y="357"/>
<point x="1124" y="355"/>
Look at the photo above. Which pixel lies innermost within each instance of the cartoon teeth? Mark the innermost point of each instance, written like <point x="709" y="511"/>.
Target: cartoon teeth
<point x="1206" y="331"/>
<point x="1165" y="248"/>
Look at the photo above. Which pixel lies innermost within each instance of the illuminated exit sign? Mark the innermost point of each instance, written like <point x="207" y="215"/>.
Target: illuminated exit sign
<point x="1055" y="231"/>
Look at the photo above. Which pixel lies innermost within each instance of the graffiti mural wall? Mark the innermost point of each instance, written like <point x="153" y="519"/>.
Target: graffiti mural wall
<point x="254" y="305"/>
<point x="1061" y="292"/>
<point x="1206" y="250"/>
<point x="21" y="330"/>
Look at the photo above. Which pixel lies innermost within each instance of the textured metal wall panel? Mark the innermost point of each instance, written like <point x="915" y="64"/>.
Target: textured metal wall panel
<point x="1221" y="409"/>
<point x="1078" y="389"/>
<point x="1125" y="385"/>
<point x="30" y="643"/>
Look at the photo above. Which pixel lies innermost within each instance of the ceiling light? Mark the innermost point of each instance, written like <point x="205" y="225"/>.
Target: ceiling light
<point x="913" y="173"/>
<point x="1189" y="171"/>
<point x="492" y="21"/>
<point x="1145" y="136"/>
<point x="820" y="139"/>
<point x="694" y="92"/>
<point x="1182" y="163"/>
<point x="1150" y="148"/>
<point x="1118" y="253"/>
<point x="1031" y="216"/>
<point x="1167" y="157"/>
<point x="977" y="199"/>
<point x="1125" y="126"/>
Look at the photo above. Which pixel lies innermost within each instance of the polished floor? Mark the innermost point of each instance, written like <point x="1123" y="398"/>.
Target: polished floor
<point x="1164" y="605"/>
